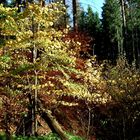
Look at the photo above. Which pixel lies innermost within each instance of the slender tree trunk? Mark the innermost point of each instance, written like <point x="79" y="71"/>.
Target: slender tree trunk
<point x="124" y="25"/>
<point x="64" y="2"/>
<point x="89" y="122"/>
<point x="133" y="46"/>
<point x="75" y="26"/>
<point x="35" y="101"/>
<point x="119" y="45"/>
<point x="65" y="15"/>
<point x="137" y="49"/>
<point x="124" y="128"/>
<point x="34" y="108"/>
<point x="24" y="133"/>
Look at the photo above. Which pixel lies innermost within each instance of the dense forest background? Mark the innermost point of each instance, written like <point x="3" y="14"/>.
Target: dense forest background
<point x="67" y="72"/>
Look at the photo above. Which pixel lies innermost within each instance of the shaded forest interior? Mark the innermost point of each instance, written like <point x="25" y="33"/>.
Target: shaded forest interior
<point x="67" y="71"/>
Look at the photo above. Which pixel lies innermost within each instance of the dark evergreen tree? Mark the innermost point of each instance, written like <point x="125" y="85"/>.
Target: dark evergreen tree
<point x="93" y="25"/>
<point x="93" y="21"/>
<point x="89" y="23"/>
<point x="82" y="20"/>
<point x="112" y="30"/>
<point x="133" y="32"/>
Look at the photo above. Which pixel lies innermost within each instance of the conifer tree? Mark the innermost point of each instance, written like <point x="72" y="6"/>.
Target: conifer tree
<point x="82" y="20"/>
<point x="90" y="23"/>
<point x="112" y="28"/>
<point x="133" y="30"/>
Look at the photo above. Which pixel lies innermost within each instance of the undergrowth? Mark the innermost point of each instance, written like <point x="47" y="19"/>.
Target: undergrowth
<point x="50" y="136"/>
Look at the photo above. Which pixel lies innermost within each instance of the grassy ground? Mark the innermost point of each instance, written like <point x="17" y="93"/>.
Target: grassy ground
<point x="50" y="136"/>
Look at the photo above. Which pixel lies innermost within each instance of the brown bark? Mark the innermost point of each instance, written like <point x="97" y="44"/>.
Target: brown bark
<point x="122" y="2"/>
<point x="64" y="2"/>
<point x="53" y="124"/>
<point x="74" y="3"/>
<point x="51" y="121"/>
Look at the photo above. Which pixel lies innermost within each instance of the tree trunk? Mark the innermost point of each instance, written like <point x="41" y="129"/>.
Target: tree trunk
<point x="25" y="126"/>
<point x="64" y="2"/>
<point x="124" y="25"/>
<point x="35" y="102"/>
<point x="51" y="121"/>
<point x="65" y="15"/>
<point x="74" y="3"/>
<point x="34" y="108"/>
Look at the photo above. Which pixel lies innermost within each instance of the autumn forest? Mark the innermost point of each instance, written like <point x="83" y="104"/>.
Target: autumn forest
<point x="68" y="74"/>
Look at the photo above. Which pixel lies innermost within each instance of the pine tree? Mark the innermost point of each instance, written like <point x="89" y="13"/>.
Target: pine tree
<point x="82" y="20"/>
<point x="112" y="28"/>
<point x="90" y="23"/>
<point x="93" y="25"/>
<point x="133" y="30"/>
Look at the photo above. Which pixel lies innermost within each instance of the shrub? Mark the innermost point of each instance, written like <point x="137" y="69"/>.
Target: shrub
<point x="120" y="117"/>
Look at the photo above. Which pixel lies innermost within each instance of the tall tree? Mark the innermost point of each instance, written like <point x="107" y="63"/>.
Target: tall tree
<point x="133" y="29"/>
<point x="90" y="23"/>
<point x="30" y="31"/>
<point x="112" y="28"/>
<point x="81" y="20"/>
<point x="93" y="25"/>
<point x="42" y="58"/>
<point x="123" y="11"/>
<point x="74" y="4"/>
